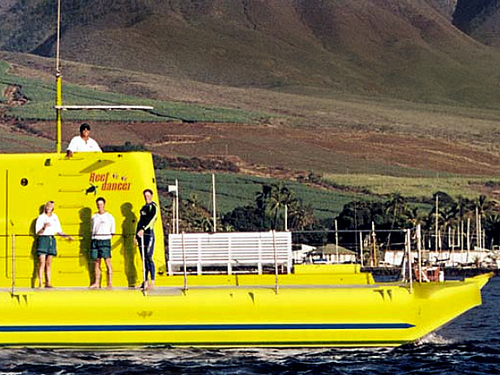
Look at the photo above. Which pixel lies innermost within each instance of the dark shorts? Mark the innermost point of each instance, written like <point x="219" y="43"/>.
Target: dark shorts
<point x="46" y="245"/>
<point x="100" y="249"/>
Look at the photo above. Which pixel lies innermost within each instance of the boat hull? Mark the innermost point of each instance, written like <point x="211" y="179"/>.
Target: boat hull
<point x="234" y="316"/>
<point x="316" y="305"/>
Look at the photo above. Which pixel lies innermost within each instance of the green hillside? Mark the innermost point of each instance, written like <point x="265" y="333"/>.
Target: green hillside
<point x="41" y="98"/>
<point x="234" y="190"/>
<point x="396" y="48"/>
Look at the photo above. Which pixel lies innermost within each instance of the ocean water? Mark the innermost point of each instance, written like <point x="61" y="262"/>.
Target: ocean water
<point x="468" y="345"/>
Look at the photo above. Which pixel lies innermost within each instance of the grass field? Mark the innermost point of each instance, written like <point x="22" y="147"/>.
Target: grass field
<point x="41" y="98"/>
<point x="466" y="186"/>
<point x="16" y="143"/>
<point x="234" y="190"/>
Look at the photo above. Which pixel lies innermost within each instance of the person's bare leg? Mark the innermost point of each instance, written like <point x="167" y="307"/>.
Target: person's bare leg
<point x="109" y="268"/>
<point x="41" y="267"/>
<point x="48" y="271"/>
<point x="97" y="274"/>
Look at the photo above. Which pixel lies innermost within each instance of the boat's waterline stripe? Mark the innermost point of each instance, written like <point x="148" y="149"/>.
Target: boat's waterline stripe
<point x="203" y="344"/>
<point x="202" y="327"/>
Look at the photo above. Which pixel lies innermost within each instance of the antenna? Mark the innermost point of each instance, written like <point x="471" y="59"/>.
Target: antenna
<point x="58" y="79"/>
<point x="58" y="41"/>
<point x="59" y="107"/>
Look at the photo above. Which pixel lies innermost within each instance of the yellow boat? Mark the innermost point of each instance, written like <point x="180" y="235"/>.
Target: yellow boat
<point x="315" y="305"/>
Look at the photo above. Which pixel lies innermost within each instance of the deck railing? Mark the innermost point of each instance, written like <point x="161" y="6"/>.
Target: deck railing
<point x="276" y="252"/>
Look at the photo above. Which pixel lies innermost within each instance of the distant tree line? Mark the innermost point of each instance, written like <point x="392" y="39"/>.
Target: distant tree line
<point x="277" y="202"/>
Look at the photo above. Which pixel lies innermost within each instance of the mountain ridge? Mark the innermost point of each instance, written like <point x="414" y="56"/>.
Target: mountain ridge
<point x="480" y="19"/>
<point x="404" y="49"/>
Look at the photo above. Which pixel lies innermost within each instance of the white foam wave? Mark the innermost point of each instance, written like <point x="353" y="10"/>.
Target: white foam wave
<point x="433" y="338"/>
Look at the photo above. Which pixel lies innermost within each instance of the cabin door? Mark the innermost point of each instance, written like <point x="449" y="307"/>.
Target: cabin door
<point x="17" y="246"/>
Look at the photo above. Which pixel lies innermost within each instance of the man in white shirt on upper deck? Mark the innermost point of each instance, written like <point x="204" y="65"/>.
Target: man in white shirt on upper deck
<point x="82" y="142"/>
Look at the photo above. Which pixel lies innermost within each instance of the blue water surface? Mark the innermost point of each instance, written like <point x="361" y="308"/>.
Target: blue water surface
<point x="469" y="345"/>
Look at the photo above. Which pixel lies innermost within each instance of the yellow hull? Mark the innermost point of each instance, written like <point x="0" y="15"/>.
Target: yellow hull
<point x="315" y="306"/>
<point x="231" y="316"/>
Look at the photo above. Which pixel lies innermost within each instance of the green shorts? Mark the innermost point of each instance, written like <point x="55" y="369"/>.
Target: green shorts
<point x="46" y="245"/>
<point x="100" y="249"/>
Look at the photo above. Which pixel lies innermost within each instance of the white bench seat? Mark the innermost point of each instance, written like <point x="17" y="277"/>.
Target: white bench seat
<point x="229" y="250"/>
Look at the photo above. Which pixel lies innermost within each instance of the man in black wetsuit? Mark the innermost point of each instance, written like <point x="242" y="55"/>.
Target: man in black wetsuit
<point x="145" y="236"/>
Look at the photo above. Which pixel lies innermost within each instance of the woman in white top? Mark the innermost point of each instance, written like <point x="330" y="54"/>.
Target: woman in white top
<point x="46" y="227"/>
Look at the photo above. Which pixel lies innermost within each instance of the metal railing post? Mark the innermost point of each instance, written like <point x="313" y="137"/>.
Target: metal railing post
<point x="408" y="250"/>
<point x="419" y="252"/>
<point x="361" y="255"/>
<point x="143" y="254"/>
<point x="184" y="262"/>
<point x="337" y="241"/>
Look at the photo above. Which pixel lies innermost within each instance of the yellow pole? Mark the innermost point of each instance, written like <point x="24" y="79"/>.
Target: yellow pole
<point x="58" y="79"/>
<point x="58" y="110"/>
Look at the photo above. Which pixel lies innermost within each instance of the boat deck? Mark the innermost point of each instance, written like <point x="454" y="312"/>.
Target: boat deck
<point x="170" y="289"/>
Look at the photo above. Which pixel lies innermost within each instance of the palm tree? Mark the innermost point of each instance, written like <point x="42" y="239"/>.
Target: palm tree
<point x="262" y="196"/>
<point x="272" y="200"/>
<point x="397" y="204"/>
<point x="483" y="206"/>
<point x="261" y="201"/>
<point x="492" y="228"/>
<point x="301" y="217"/>
<point x="281" y="196"/>
<point x="415" y="216"/>
<point x="395" y="207"/>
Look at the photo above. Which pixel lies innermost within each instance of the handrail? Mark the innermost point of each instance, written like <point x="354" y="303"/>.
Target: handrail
<point x="13" y="254"/>
<point x="73" y="235"/>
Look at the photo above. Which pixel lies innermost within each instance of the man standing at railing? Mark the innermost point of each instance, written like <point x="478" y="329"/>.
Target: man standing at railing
<point x="46" y="227"/>
<point x="103" y="229"/>
<point x="145" y="237"/>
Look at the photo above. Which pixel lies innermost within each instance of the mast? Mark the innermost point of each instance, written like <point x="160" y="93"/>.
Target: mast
<point x="59" y="106"/>
<point x="58" y="79"/>
<point x="437" y="224"/>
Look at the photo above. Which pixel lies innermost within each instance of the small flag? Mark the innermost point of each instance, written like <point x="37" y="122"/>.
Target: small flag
<point x="172" y="188"/>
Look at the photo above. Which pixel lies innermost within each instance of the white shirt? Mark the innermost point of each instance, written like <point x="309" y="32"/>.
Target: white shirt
<point x="78" y="144"/>
<point x="54" y="224"/>
<point x="103" y="226"/>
